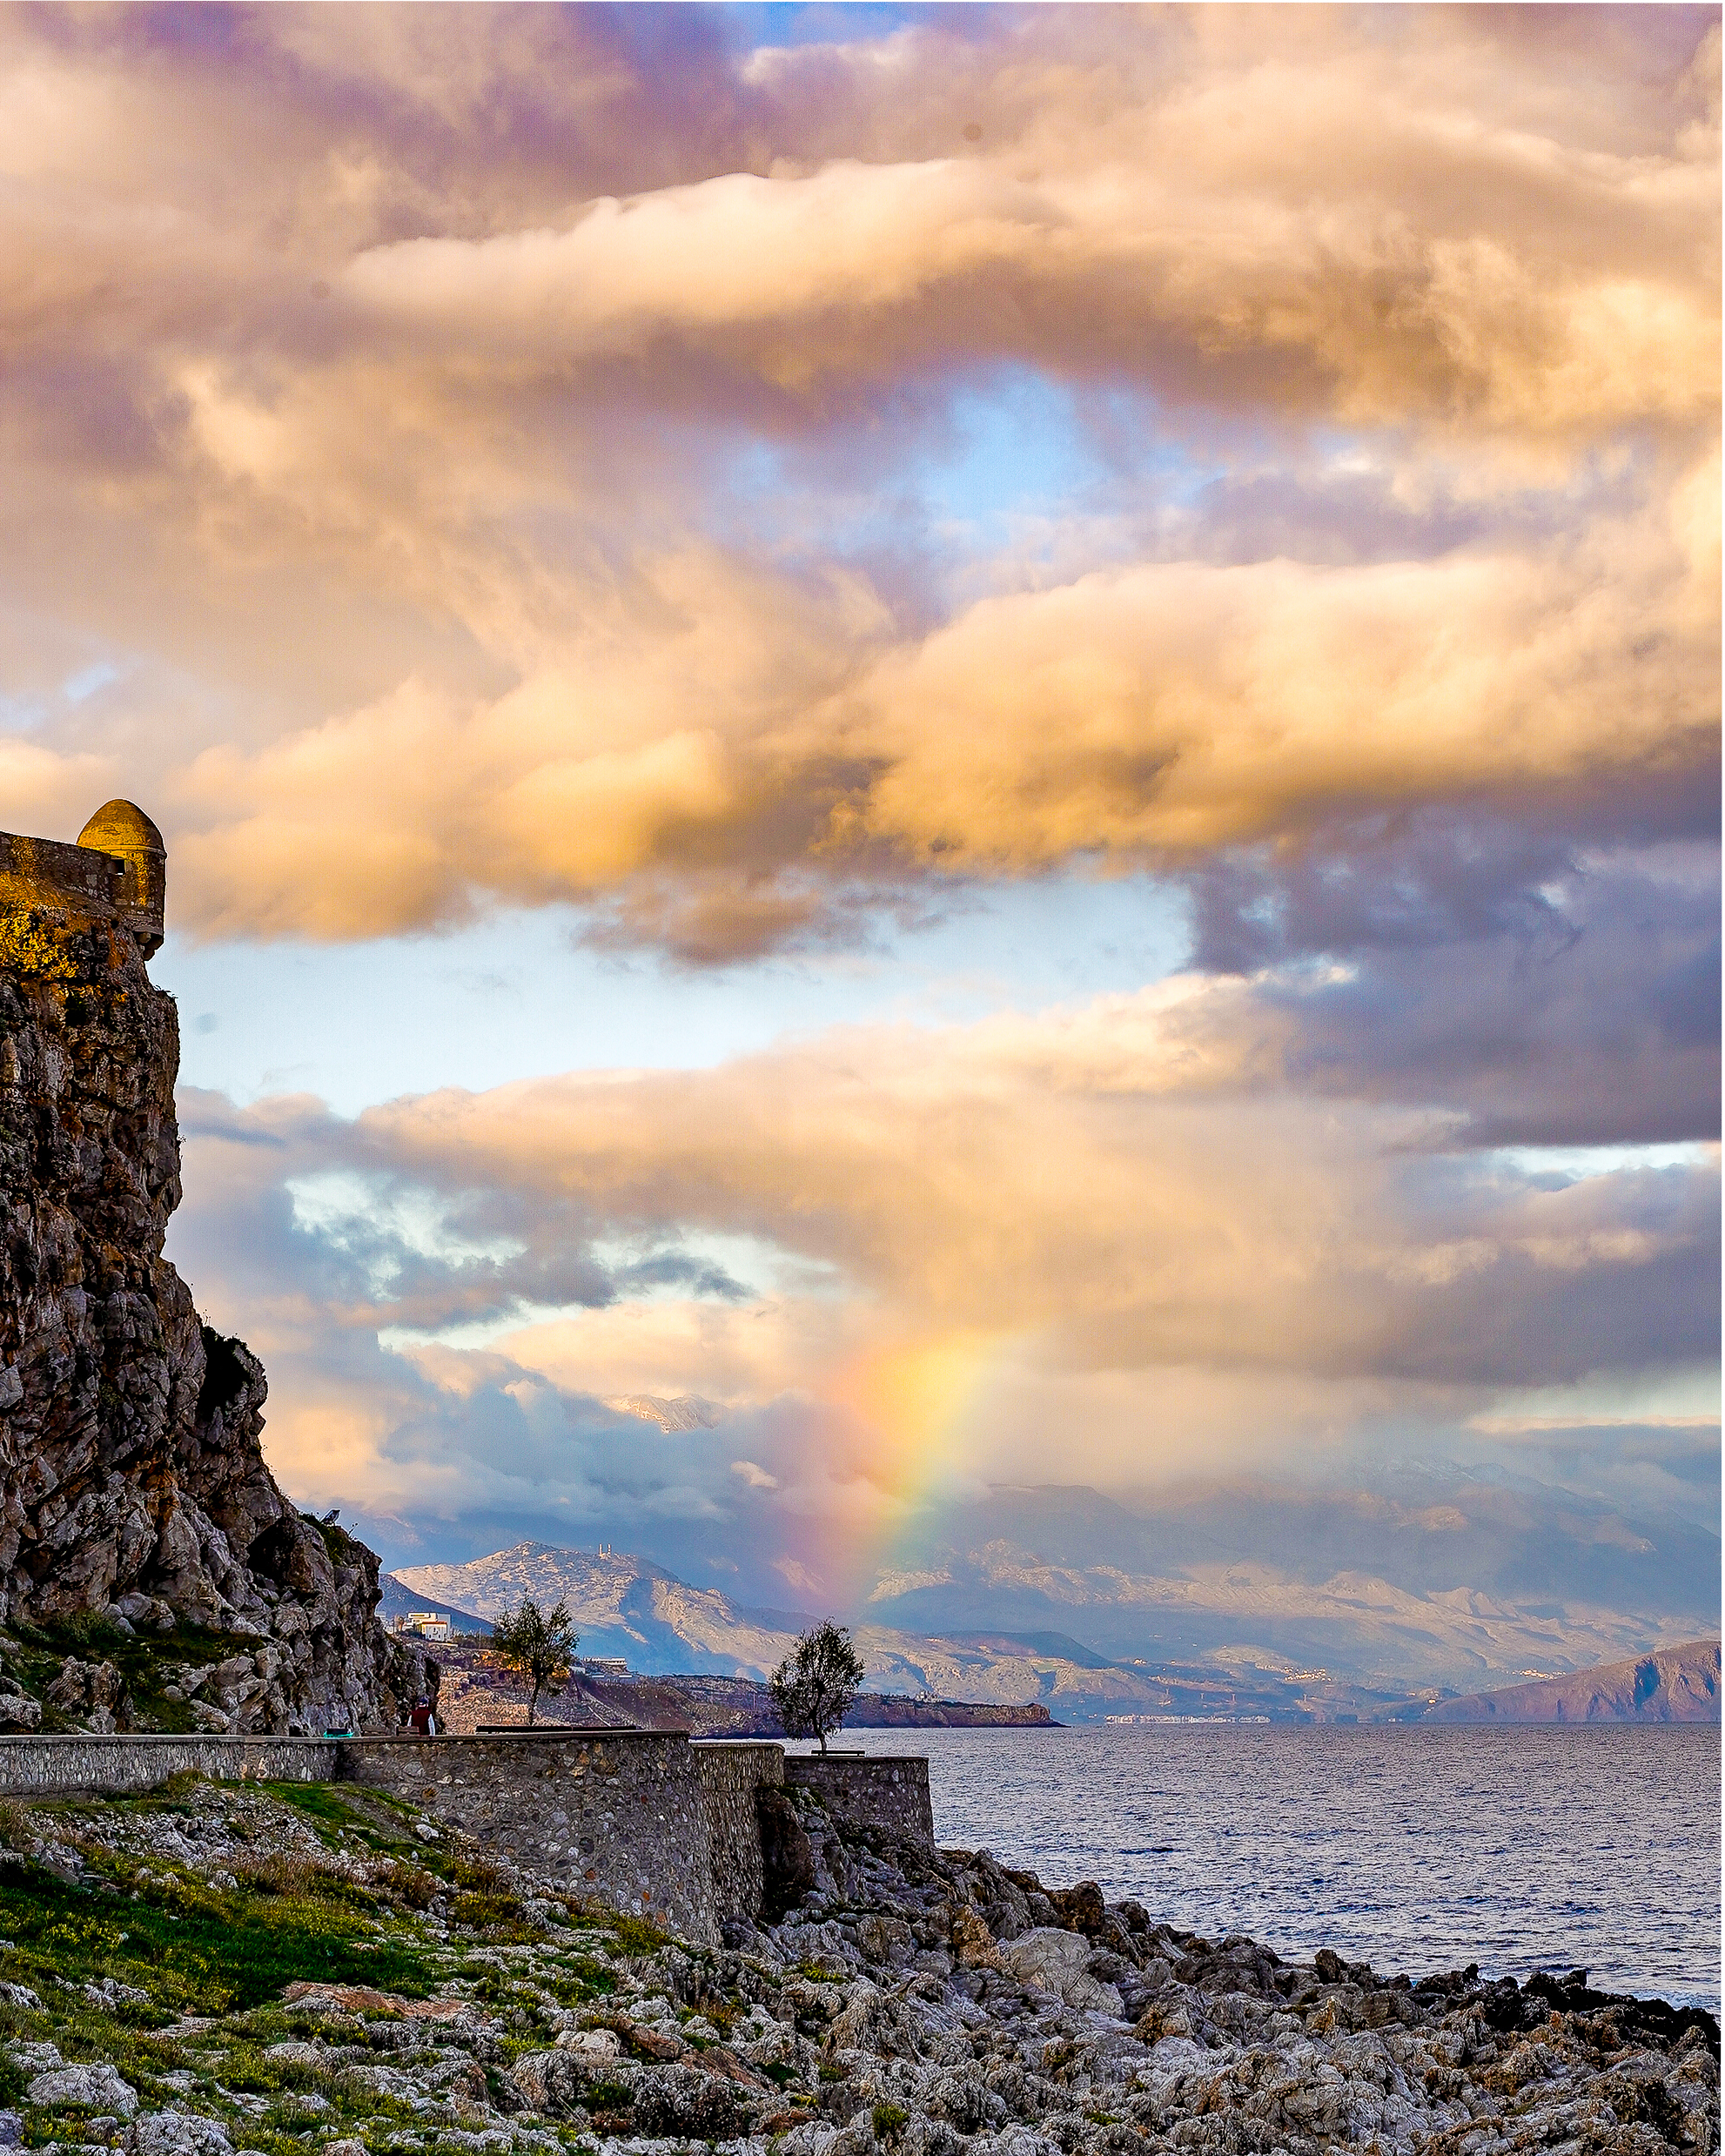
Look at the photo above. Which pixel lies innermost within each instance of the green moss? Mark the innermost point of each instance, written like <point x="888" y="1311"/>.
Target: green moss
<point x="635" y="1935"/>
<point x="580" y="1981"/>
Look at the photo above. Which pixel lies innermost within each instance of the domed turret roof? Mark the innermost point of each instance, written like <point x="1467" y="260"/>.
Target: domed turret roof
<point x="121" y="827"/>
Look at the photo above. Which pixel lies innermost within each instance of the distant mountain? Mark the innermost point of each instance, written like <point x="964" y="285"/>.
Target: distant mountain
<point x="1236" y="1640"/>
<point x="401" y="1602"/>
<point x="621" y="1605"/>
<point x="1443" y="1583"/>
<point x="628" y="1606"/>
<point x="688" y="1412"/>
<point x="1675" y="1684"/>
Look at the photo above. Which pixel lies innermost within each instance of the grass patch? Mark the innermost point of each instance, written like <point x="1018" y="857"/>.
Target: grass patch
<point x="196" y="1951"/>
<point x="635" y="1935"/>
<point x="578" y="1982"/>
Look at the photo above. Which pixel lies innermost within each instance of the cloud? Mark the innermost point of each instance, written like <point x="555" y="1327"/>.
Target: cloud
<point x="465" y="460"/>
<point x="455" y="468"/>
<point x="1117" y="1215"/>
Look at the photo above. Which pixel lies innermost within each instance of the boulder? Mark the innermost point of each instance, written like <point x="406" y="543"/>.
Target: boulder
<point x="97" y="2088"/>
<point x="1055" y="1961"/>
<point x="181" y="2133"/>
<point x="681" y="2102"/>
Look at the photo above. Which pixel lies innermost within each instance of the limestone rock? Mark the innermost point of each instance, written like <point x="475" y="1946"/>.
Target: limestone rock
<point x="99" y="2087"/>
<point x="1056" y="1961"/>
<point x="132" y="1483"/>
<point x="788" y="1860"/>
<point x="179" y="2133"/>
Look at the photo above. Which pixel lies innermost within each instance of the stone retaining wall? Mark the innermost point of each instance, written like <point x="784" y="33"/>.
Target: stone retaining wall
<point x="639" y="1818"/>
<point x="879" y="1792"/>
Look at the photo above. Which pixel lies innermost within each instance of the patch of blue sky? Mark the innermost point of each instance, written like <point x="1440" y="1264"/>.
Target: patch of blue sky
<point x="1558" y="1165"/>
<point x="705" y="1262"/>
<point x="1000" y="466"/>
<point x="21" y="714"/>
<point x="1019" y="449"/>
<point x="780" y="24"/>
<point x="520" y="996"/>
<point x="353" y="1213"/>
<point x="1680" y="1396"/>
<point x="79" y="687"/>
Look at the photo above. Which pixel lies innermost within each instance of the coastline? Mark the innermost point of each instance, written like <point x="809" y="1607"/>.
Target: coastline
<point x="1433" y="1845"/>
<point x="894" y="1999"/>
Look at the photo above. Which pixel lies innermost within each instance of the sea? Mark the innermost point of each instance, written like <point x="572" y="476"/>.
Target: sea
<point x="1592" y="1846"/>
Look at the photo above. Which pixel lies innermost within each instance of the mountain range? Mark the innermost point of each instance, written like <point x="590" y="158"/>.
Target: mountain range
<point x="1414" y="1648"/>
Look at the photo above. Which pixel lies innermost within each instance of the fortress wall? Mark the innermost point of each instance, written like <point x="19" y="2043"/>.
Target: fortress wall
<point x="82" y="882"/>
<point x="880" y="1792"/>
<point x="731" y="1774"/>
<point x="621" y="1816"/>
<point x="46" y="871"/>
<point x="115" y="1764"/>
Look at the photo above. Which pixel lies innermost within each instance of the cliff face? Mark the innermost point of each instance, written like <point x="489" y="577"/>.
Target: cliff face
<point x="134" y="1499"/>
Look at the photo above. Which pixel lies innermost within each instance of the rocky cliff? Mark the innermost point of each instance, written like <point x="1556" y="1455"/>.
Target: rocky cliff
<point x="151" y="1570"/>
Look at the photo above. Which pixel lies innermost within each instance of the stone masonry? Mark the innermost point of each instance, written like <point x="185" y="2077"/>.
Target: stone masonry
<point x="641" y="1820"/>
<point x="860" y="1792"/>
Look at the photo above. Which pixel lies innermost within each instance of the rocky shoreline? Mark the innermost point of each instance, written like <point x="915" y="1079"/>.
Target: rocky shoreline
<point x="219" y="1968"/>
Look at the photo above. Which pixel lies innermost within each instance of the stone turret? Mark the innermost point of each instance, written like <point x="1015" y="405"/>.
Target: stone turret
<point x="115" y="875"/>
<point x="122" y="828"/>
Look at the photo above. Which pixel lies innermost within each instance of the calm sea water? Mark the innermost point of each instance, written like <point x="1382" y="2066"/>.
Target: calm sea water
<point x="1415" y="1850"/>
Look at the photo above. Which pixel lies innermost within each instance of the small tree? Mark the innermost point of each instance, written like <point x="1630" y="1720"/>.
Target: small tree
<point x="540" y="1643"/>
<point x="813" y="1687"/>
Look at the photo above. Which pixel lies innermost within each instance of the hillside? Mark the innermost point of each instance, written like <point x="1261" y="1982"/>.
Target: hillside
<point x="630" y="1607"/>
<point x="1674" y="1684"/>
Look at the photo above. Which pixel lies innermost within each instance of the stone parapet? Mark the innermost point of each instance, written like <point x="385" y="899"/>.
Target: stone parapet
<point x="115" y="1764"/>
<point x="882" y="1792"/>
<point x="732" y="1776"/>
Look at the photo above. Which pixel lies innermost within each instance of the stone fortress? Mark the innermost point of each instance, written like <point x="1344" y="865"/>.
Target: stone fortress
<point x="115" y="875"/>
<point x="134" y="1494"/>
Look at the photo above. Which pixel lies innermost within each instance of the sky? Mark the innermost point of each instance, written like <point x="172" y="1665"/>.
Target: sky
<point x="989" y="734"/>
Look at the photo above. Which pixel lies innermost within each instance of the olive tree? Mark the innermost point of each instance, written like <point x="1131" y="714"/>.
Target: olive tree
<point x="815" y="1684"/>
<point x="540" y="1643"/>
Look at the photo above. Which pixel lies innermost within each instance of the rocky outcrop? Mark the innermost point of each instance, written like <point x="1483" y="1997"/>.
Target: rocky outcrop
<point x="134" y="1498"/>
<point x="916" y="2002"/>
